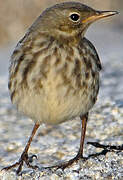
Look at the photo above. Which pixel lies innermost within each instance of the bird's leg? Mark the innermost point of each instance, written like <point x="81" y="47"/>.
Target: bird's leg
<point x="80" y="152"/>
<point x="24" y="156"/>
<point x="83" y="131"/>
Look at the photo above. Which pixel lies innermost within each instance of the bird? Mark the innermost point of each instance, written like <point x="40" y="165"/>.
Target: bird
<point x="54" y="71"/>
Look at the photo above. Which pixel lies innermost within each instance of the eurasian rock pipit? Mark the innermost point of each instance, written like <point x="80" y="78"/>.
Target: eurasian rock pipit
<point x="54" y="70"/>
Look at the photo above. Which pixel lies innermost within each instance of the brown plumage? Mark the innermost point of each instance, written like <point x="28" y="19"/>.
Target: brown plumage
<point x="54" y="71"/>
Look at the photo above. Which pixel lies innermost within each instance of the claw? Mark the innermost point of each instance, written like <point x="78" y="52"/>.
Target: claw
<point x="68" y="163"/>
<point x="9" y="167"/>
<point x="24" y="158"/>
<point x="32" y="157"/>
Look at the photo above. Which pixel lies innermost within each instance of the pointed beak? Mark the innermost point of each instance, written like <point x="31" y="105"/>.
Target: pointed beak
<point x="99" y="15"/>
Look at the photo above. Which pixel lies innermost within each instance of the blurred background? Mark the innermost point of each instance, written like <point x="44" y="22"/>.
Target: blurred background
<point x="17" y="15"/>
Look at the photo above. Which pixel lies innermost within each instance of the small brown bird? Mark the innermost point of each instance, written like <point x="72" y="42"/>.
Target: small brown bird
<point x="54" y="70"/>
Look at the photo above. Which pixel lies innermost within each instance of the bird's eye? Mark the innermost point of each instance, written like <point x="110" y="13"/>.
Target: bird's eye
<point x="74" y="17"/>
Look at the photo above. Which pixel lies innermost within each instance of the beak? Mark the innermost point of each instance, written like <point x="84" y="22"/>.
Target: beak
<point x="99" y="15"/>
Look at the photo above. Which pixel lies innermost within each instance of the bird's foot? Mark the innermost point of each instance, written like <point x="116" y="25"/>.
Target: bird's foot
<point x="67" y="163"/>
<point x="24" y="158"/>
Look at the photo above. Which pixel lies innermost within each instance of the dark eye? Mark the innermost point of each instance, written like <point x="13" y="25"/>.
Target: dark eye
<point x="74" y="17"/>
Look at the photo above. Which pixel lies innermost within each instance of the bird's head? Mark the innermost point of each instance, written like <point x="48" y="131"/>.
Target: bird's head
<point x="69" y="19"/>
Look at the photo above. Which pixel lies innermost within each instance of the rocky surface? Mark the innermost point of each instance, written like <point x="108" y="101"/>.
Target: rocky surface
<point x="53" y="144"/>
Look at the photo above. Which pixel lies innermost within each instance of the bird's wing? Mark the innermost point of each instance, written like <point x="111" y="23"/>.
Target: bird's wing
<point x="92" y="51"/>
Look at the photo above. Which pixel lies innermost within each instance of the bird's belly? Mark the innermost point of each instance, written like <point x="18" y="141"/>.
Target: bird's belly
<point x="59" y="92"/>
<point x="57" y="103"/>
